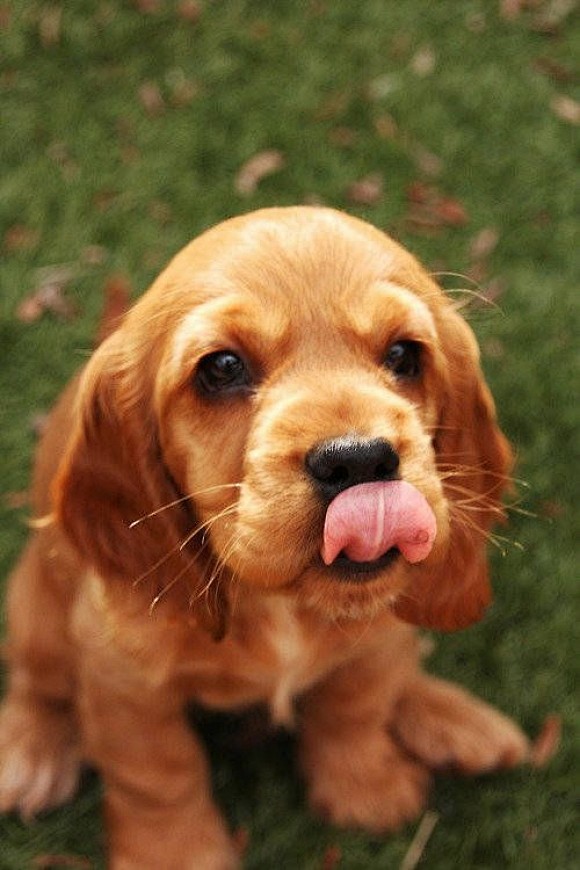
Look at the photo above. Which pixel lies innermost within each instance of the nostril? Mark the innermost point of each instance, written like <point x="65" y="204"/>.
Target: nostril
<point x="337" y="475"/>
<point x="339" y="463"/>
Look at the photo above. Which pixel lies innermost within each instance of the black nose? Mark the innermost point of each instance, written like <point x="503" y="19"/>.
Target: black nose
<point x="339" y="463"/>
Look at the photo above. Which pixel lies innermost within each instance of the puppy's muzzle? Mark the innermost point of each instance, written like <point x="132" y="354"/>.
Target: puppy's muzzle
<point x="372" y="516"/>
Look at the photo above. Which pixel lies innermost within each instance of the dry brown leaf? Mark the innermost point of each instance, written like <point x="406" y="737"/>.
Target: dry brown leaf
<point x="484" y="243"/>
<point x="552" y="14"/>
<point x="5" y="16"/>
<point x="148" y="7"/>
<point x="430" y="210"/>
<point x="343" y="137"/>
<point x="20" y="238"/>
<point x="566" y="109"/>
<point x="510" y="9"/>
<point x="423" y="61"/>
<point x="451" y="212"/>
<point x="189" y="10"/>
<point x="427" y="162"/>
<point x="241" y="838"/>
<point x="554" y="70"/>
<point x="366" y="191"/>
<point x="547" y="742"/>
<point x="151" y="98"/>
<point x="386" y="126"/>
<point x="50" y="26"/>
<point x="331" y="858"/>
<point x="49" y="295"/>
<point x="256" y="168"/>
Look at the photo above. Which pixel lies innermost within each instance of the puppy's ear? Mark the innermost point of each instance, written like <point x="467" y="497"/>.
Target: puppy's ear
<point x="113" y="477"/>
<point x="475" y="461"/>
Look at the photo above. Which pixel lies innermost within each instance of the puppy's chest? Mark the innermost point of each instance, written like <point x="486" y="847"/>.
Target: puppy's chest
<point x="270" y="657"/>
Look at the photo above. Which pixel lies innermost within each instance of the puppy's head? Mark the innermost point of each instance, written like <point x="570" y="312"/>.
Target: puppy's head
<point x="289" y="375"/>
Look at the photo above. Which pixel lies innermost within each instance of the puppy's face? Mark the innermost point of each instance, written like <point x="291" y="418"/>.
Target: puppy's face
<point x="284" y="358"/>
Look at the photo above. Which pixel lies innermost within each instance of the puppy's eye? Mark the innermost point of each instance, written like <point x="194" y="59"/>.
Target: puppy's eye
<point x="222" y="372"/>
<point x="403" y="359"/>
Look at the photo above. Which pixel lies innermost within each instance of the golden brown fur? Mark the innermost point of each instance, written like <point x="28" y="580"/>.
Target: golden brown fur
<point x="180" y="560"/>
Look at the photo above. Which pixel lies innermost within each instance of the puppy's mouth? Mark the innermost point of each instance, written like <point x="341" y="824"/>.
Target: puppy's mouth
<point x="346" y="569"/>
<point x="369" y="526"/>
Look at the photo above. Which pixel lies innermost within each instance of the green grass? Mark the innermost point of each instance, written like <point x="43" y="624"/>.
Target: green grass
<point x="91" y="177"/>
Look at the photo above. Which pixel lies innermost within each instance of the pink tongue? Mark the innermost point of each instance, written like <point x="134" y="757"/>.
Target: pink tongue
<point x="365" y="521"/>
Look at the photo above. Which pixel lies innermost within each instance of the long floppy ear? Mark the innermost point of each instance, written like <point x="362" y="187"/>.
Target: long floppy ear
<point x="475" y="460"/>
<point x="112" y="477"/>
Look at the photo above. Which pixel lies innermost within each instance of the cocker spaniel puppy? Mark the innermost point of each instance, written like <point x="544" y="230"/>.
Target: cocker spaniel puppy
<point x="283" y="459"/>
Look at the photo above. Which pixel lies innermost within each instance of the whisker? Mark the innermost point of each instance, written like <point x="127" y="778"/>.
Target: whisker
<point x="180" y="500"/>
<point x="169" y="586"/>
<point x="206" y="526"/>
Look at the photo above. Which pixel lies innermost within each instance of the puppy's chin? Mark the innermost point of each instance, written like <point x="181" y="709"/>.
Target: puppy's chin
<point x="352" y="592"/>
<point x="339" y="591"/>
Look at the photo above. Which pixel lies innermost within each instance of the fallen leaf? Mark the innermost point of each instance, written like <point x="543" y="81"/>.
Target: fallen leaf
<point x="547" y="742"/>
<point x="383" y="86"/>
<point x="386" y="126"/>
<point x="423" y="61"/>
<point x="430" y="210"/>
<point x="257" y="168"/>
<point x="148" y="7"/>
<point x="344" y="137"/>
<point x="241" y="838"/>
<point x="189" y="10"/>
<point x="333" y="106"/>
<point x="554" y="70"/>
<point x="551" y="15"/>
<point x="566" y="109"/>
<point x="5" y="16"/>
<point x="151" y="98"/>
<point x="49" y="295"/>
<point x="427" y="162"/>
<point x="20" y="238"/>
<point x="484" y="243"/>
<point x="331" y="858"/>
<point x="50" y="26"/>
<point x="421" y="193"/>
<point x="366" y="191"/>
<point x="451" y="212"/>
<point x="510" y="9"/>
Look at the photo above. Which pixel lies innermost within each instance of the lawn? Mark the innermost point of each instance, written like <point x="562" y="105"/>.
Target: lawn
<point x="128" y="127"/>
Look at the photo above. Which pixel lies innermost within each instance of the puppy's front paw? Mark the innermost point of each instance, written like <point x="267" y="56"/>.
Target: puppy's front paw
<point x="375" y="788"/>
<point x="39" y="758"/>
<point x="447" y="728"/>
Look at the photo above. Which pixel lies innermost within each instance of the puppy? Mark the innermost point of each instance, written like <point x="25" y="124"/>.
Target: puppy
<point x="282" y="460"/>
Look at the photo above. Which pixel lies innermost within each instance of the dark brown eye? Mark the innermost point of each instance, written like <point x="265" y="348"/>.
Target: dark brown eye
<point x="222" y="372"/>
<point x="403" y="359"/>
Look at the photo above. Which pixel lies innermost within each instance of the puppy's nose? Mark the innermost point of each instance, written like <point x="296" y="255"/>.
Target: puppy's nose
<point x="336" y="464"/>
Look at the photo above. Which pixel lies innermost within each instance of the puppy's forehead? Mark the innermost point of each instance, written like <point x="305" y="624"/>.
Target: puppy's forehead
<point x="286" y="273"/>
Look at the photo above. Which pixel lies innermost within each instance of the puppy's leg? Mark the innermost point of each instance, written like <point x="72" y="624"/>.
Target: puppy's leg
<point x="356" y="774"/>
<point x="39" y="747"/>
<point x="159" y="810"/>
<point x="448" y="728"/>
